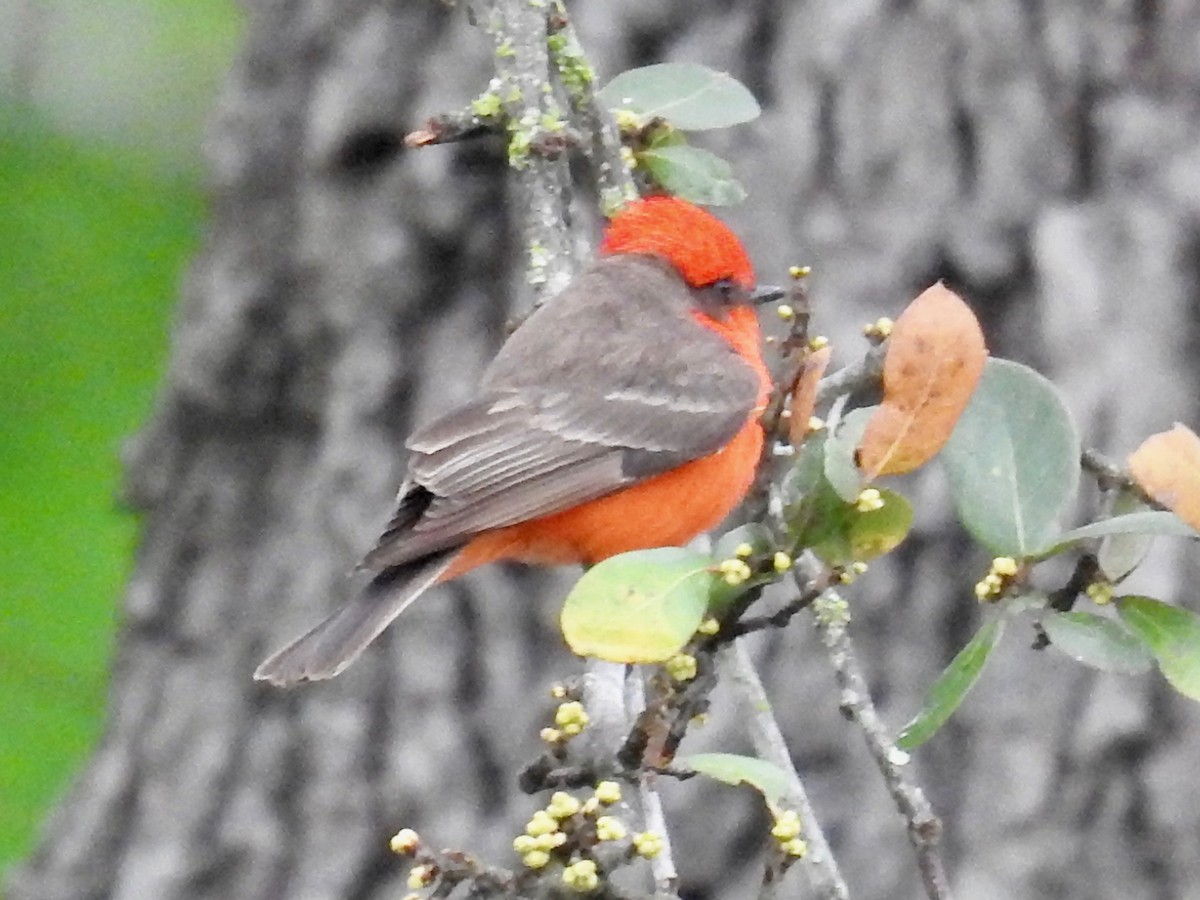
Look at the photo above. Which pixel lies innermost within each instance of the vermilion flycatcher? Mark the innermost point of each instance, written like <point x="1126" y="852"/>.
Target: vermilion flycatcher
<point x="623" y="414"/>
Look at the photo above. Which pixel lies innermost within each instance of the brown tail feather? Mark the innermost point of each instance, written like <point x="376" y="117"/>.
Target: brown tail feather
<point x="335" y="643"/>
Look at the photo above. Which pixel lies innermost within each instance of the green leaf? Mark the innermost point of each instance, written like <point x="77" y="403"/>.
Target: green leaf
<point x="850" y="535"/>
<point x="1150" y="522"/>
<point x="1013" y="460"/>
<point x="693" y="174"/>
<point x="1120" y="554"/>
<point x="732" y="768"/>
<point x="951" y="687"/>
<point x="841" y="453"/>
<point x="638" y="607"/>
<point x="1098" y="642"/>
<point x="688" y="95"/>
<point x="1173" y="636"/>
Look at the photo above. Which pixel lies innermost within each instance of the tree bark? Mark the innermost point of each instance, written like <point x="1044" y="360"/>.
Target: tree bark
<point x="1041" y="157"/>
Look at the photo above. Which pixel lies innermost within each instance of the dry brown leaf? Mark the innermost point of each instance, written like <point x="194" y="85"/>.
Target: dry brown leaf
<point x="1167" y="467"/>
<point x="935" y="358"/>
<point x="804" y="395"/>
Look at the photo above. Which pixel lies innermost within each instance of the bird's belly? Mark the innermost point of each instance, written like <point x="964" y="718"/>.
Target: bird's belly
<point x="664" y="511"/>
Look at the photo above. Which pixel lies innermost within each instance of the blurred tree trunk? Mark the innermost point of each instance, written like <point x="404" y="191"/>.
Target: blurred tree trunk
<point x="1044" y="158"/>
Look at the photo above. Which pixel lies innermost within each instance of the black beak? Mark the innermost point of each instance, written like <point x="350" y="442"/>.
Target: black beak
<point x="765" y="293"/>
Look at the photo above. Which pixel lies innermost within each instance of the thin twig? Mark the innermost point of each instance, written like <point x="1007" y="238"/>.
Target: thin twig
<point x="613" y="175"/>
<point x="662" y="866"/>
<point x="864" y="373"/>
<point x="448" y="128"/>
<point x="924" y="827"/>
<point x="818" y="867"/>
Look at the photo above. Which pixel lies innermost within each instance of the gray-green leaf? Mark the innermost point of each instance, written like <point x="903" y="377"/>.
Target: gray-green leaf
<point x="951" y="687"/>
<point x="1098" y="642"/>
<point x="688" y="95"/>
<point x="732" y="768"/>
<point x="1013" y="460"/>
<point x="693" y="174"/>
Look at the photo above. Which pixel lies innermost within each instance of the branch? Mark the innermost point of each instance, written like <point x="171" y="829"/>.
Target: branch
<point x="518" y="31"/>
<point x="822" y="876"/>
<point x="924" y="828"/>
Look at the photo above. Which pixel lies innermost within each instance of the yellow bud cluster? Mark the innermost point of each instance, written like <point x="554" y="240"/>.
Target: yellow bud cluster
<point x="562" y="805"/>
<point x="743" y="550"/>
<point x="787" y="824"/>
<point x="819" y="342"/>
<point x="608" y="792"/>
<point x="734" y="571"/>
<point x="795" y="847"/>
<point x="581" y="876"/>
<point x="709" y="626"/>
<point x="404" y="841"/>
<point x="999" y="576"/>
<point x="647" y="844"/>
<point x="880" y="328"/>
<point x="1100" y="592"/>
<point x="681" y="667"/>
<point x="609" y="828"/>
<point x="869" y="500"/>
<point x="799" y="272"/>
<point x="781" y="562"/>
<point x="571" y="717"/>
<point x="785" y="312"/>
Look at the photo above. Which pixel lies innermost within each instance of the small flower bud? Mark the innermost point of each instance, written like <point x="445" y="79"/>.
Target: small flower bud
<point x="525" y="843"/>
<point x="420" y="876"/>
<point x="709" y="626"/>
<point x="570" y="713"/>
<point x="536" y="859"/>
<point x="647" y="844"/>
<point x="785" y="312"/>
<point x="562" y="805"/>
<point x="581" y="876"/>
<point x="799" y="272"/>
<point x="787" y="825"/>
<point x="781" y="562"/>
<point x="541" y="823"/>
<point x="681" y="667"/>
<point x="404" y="841"/>
<point x="551" y="735"/>
<point x="795" y="847"/>
<point x="869" y="500"/>
<point x="1005" y="566"/>
<point x="548" y="842"/>
<point x="608" y="792"/>
<point x="609" y="828"/>
<point x="819" y="342"/>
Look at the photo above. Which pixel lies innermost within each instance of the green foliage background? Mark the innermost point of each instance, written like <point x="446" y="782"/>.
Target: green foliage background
<point x="101" y="111"/>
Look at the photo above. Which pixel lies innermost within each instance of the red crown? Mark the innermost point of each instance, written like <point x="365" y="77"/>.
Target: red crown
<point x="694" y="241"/>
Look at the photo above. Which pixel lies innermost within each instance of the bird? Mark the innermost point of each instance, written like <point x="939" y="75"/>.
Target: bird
<point x="622" y="414"/>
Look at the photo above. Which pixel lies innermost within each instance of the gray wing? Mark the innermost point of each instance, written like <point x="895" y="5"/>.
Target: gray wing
<point x="528" y="448"/>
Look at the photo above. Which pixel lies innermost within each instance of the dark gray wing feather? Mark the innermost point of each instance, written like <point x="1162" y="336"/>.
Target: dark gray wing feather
<point x="528" y="448"/>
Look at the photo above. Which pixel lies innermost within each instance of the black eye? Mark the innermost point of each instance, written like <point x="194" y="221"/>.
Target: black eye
<point x="726" y="290"/>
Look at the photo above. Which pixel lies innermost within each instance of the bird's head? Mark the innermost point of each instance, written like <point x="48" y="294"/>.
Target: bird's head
<point x="701" y="248"/>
